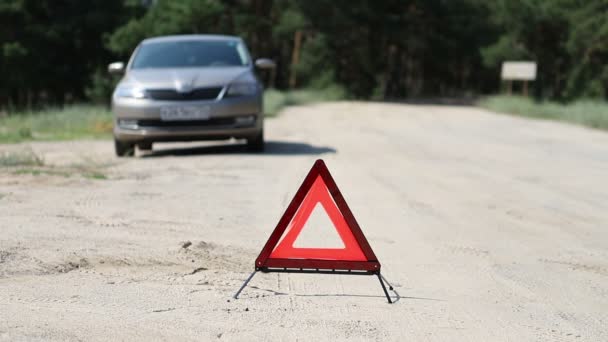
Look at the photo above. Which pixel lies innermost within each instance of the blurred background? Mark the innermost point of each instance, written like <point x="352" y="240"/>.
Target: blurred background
<point x="56" y="52"/>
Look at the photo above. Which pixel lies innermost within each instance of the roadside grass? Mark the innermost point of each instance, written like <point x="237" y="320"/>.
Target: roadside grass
<point x="590" y="113"/>
<point x="66" y="172"/>
<point x="26" y="162"/>
<point x="95" y="121"/>
<point x="20" y="159"/>
<point x="275" y="100"/>
<point x="89" y="168"/>
<point x="40" y="172"/>
<point x="70" y="122"/>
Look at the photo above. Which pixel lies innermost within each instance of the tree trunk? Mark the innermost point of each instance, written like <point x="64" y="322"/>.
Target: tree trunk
<point x="295" y="58"/>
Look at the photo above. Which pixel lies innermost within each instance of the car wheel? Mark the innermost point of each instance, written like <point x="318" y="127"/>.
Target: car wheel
<point x="124" y="149"/>
<point x="256" y="144"/>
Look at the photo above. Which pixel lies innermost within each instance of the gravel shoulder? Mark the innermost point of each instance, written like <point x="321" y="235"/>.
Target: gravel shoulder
<point x="491" y="227"/>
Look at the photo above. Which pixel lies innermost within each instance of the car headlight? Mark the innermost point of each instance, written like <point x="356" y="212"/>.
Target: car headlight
<point x="131" y="92"/>
<point x="241" y="89"/>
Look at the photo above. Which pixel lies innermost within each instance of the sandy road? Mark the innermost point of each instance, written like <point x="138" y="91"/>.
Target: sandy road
<point x="493" y="228"/>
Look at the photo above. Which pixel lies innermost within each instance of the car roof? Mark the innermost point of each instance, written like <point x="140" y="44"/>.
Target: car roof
<point x="189" y="37"/>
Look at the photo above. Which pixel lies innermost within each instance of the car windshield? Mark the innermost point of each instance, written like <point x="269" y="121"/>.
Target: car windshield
<point x="191" y="53"/>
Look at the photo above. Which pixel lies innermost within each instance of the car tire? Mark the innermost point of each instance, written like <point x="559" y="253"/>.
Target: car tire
<point x="256" y="144"/>
<point x="124" y="149"/>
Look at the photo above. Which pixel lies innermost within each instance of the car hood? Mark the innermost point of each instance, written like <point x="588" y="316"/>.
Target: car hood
<point x="186" y="79"/>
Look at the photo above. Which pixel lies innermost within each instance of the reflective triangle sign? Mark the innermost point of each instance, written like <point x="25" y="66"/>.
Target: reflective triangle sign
<point x="318" y="190"/>
<point x="318" y="194"/>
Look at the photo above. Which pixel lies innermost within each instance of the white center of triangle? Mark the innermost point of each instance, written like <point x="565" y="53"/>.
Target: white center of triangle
<point x="319" y="231"/>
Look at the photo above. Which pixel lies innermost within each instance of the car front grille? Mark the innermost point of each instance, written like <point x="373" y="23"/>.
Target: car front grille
<point x="210" y="93"/>
<point x="187" y="123"/>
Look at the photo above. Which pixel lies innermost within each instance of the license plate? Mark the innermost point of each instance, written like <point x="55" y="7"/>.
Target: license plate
<point x="177" y="113"/>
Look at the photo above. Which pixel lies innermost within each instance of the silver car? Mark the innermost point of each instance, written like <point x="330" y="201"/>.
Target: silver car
<point x="187" y="88"/>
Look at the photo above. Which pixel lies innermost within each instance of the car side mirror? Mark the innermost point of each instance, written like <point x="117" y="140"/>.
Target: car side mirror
<point x="265" y="63"/>
<point x="116" y="68"/>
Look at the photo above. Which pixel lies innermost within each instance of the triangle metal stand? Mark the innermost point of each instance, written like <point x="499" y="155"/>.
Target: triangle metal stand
<point x="319" y="271"/>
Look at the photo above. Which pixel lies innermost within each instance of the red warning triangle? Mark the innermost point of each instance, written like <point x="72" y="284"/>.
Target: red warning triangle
<point x="318" y="194"/>
<point x="318" y="188"/>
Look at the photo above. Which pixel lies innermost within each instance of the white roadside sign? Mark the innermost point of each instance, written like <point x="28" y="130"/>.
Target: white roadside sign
<point x="518" y="71"/>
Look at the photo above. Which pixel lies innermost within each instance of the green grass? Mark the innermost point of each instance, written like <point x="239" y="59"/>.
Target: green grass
<point x="275" y="100"/>
<point x="41" y="171"/>
<point x="70" y="122"/>
<point x="26" y="162"/>
<point x="65" y="172"/>
<point x="590" y="113"/>
<point x="61" y="172"/>
<point x="91" y="121"/>
<point x="20" y="158"/>
<point x="95" y="175"/>
<point x="89" y="168"/>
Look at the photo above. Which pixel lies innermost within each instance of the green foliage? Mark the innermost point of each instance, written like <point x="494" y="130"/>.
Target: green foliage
<point x="588" y="44"/>
<point x="315" y="68"/>
<point x="50" y="49"/>
<point x="290" y="21"/>
<point x="77" y="121"/>
<point x="568" y="39"/>
<point x="169" y="17"/>
<point x="590" y="113"/>
<point x="402" y="48"/>
<point x="506" y="48"/>
<point x="101" y="86"/>
<point x="56" y="52"/>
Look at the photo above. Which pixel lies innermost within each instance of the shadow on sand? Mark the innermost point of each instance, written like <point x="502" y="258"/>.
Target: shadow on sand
<point x="273" y="147"/>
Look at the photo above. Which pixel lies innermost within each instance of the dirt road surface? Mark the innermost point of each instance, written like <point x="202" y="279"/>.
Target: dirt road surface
<point x="492" y="228"/>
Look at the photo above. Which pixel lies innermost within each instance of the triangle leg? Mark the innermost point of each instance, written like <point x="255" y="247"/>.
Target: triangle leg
<point x="236" y="295"/>
<point x="390" y="287"/>
<point x="384" y="288"/>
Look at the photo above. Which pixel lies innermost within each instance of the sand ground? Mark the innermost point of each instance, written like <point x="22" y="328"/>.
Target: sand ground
<point x="491" y="227"/>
